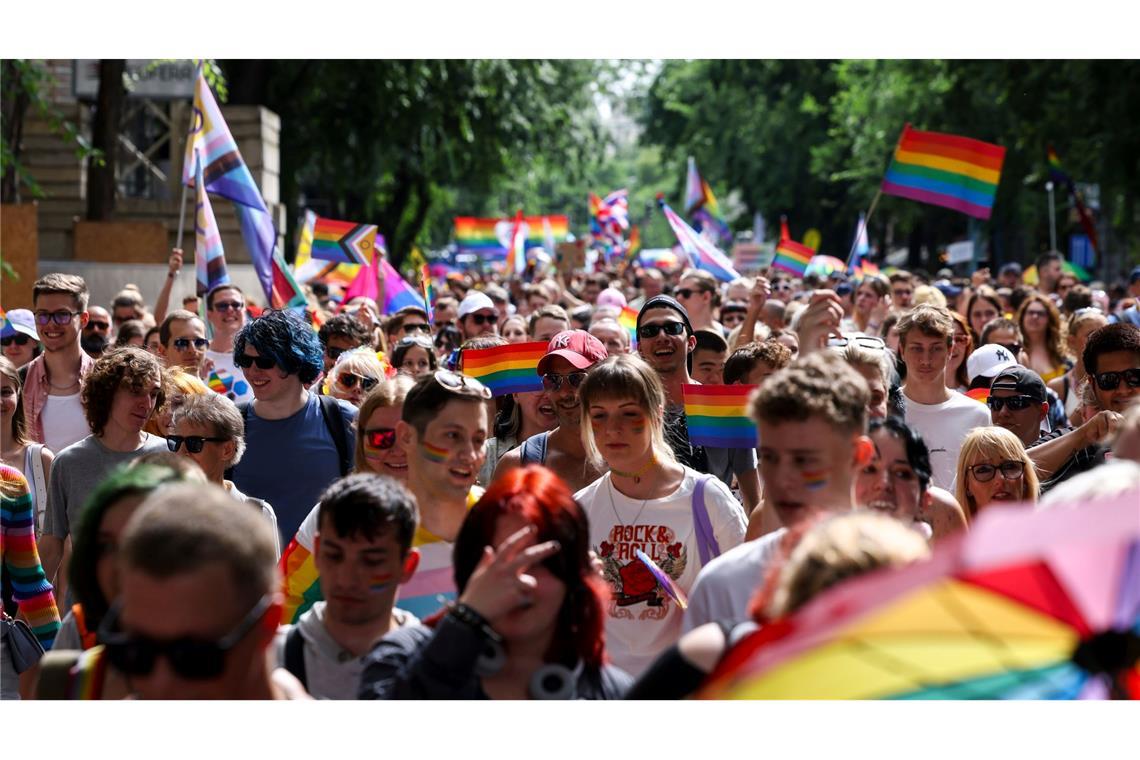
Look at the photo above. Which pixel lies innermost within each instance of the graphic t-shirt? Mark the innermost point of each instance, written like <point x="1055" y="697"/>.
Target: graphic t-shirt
<point x="227" y="378"/>
<point x="643" y="620"/>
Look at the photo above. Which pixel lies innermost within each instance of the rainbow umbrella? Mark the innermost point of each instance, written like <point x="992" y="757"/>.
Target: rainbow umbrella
<point x="825" y="266"/>
<point x="1028" y="605"/>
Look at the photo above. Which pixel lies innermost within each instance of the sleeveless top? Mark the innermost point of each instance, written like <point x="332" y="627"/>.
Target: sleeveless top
<point x="533" y="450"/>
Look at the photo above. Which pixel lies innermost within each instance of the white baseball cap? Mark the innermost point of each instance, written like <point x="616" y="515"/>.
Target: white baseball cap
<point x="989" y="360"/>
<point x="475" y="301"/>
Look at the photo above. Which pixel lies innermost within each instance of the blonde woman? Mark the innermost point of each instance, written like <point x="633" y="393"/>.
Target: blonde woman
<point x="355" y="373"/>
<point x="993" y="467"/>
<point x="177" y="384"/>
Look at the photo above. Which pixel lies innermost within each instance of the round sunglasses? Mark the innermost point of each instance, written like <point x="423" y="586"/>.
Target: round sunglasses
<point x="552" y="381"/>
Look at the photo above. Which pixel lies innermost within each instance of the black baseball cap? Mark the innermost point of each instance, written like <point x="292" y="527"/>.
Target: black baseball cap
<point x="1022" y="380"/>
<point x="665" y="302"/>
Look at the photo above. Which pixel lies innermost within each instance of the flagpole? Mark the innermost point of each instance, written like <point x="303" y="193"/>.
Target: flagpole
<point x="1052" y="218"/>
<point x="189" y="131"/>
<point x="866" y="224"/>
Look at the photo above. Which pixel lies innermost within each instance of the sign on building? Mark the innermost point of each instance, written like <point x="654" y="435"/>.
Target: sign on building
<point x="168" y="80"/>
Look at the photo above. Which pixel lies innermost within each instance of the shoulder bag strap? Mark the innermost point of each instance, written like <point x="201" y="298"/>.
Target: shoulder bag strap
<point x="706" y="539"/>
<point x="334" y="421"/>
<point x="295" y="654"/>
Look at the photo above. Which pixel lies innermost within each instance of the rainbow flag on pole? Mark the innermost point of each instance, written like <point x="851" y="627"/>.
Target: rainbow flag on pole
<point x="702" y="253"/>
<point x="506" y="369"/>
<point x="343" y="242"/>
<point x="718" y="416"/>
<point x="792" y="257"/>
<point x="945" y="170"/>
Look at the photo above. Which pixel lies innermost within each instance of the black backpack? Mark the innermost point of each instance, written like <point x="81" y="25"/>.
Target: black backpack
<point x="334" y="421"/>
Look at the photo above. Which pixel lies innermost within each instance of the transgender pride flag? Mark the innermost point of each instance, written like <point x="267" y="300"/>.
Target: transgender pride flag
<point x="702" y="253"/>
<point x="209" y="256"/>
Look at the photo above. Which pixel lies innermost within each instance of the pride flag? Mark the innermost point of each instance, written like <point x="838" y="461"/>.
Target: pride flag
<point x="718" y="416"/>
<point x="286" y="292"/>
<point x="425" y="287"/>
<point x="225" y="174"/>
<point x="701" y="205"/>
<point x="343" y="242"/>
<point x="482" y="235"/>
<point x="209" y="256"/>
<point x="516" y="251"/>
<point x="628" y="320"/>
<point x="702" y="253"/>
<point x="506" y="369"/>
<point x="308" y="269"/>
<point x="1060" y="176"/>
<point x="945" y="170"/>
<point x="397" y="292"/>
<point x="792" y="257"/>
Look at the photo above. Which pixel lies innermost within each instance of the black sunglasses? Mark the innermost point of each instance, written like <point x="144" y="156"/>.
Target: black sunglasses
<point x="421" y="326"/>
<point x="245" y="361"/>
<point x="1015" y="403"/>
<point x="59" y="317"/>
<point x="228" y="306"/>
<point x="347" y="380"/>
<point x="483" y="319"/>
<point x="467" y="386"/>
<point x="380" y="438"/>
<point x="645" y="332"/>
<point x="687" y="292"/>
<point x="1110" y="381"/>
<point x="194" y="443"/>
<point x="19" y="339"/>
<point x="93" y="325"/>
<point x="552" y="381"/>
<point x="181" y="344"/>
<point x="190" y="658"/>
<point x="1010" y="470"/>
<point x="1013" y="348"/>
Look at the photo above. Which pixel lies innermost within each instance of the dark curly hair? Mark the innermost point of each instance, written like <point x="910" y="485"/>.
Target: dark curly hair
<point x="344" y="326"/>
<point x="287" y="339"/>
<point x="1116" y="337"/>
<point x="127" y="367"/>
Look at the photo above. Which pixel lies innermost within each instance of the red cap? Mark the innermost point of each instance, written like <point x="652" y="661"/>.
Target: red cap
<point x="575" y="346"/>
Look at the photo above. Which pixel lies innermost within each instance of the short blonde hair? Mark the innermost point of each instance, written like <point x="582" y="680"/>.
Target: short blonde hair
<point x="928" y="294"/>
<point x="360" y="361"/>
<point x="625" y="376"/>
<point x="992" y="442"/>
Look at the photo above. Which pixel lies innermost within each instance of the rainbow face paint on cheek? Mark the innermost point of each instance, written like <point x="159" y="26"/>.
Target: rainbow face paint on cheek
<point x="379" y="582"/>
<point x="434" y="454"/>
<point x="814" y="479"/>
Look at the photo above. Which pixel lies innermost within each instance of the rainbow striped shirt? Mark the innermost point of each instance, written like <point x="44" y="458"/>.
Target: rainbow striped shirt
<point x="30" y="587"/>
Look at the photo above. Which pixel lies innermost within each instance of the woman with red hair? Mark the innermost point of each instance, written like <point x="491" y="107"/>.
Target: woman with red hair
<point x="529" y="620"/>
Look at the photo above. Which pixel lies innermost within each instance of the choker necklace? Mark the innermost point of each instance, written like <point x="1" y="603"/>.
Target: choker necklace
<point x="636" y="475"/>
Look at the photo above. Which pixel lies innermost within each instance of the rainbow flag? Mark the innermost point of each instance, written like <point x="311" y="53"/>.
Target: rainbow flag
<point x="516" y="251"/>
<point x="1056" y="171"/>
<point x="1060" y="176"/>
<point x="481" y="235"/>
<point x="702" y="253"/>
<point x="945" y="170"/>
<point x="286" y="293"/>
<point x="792" y="257"/>
<point x="397" y="292"/>
<point x="718" y="416"/>
<point x="307" y="269"/>
<point x="425" y="287"/>
<point x="343" y="242"/>
<point x="701" y="205"/>
<point x="628" y="320"/>
<point x="209" y="256"/>
<point x="506" y="369"/>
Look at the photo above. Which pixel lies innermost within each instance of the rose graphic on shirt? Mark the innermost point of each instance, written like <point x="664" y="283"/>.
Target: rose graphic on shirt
<point x="631" y="582"/>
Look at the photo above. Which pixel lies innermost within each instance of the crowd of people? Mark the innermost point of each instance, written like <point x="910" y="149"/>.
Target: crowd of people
<point x="227" y="501"/>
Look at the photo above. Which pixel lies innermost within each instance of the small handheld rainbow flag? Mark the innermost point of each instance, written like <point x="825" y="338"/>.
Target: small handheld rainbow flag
<point x="425" y="286"/>
<point x="506" y="369"/>
<point x="628" y="320"/>
<point x="717" y="416"/>
<point x="945" y="170"/>
<point x="344" y="242"/>
<point x="792" y="257"/>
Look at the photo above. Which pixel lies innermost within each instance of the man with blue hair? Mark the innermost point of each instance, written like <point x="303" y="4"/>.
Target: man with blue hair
<point x="297" y="442"/>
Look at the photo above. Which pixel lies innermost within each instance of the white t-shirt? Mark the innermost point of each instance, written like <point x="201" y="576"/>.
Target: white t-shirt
<point x="64" y="422"/>
<point x="726" y="585"/>
<point x="643" y="620"/>
<point x="943" y="428"/>
<point x="229" y="375"/>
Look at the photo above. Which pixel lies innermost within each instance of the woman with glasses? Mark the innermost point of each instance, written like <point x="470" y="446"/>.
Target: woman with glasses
<point x="956" y="377"/>
<point x="354" y="375"/>
<point x="529" y="622"/>
<point x="1040" y="324"/>
<point x="376" y="452"/>
<point x="1081" y="325"/>
<point x="18" y="337"/>
<point x="414" y="356"/>
<point x="993" y="467"/>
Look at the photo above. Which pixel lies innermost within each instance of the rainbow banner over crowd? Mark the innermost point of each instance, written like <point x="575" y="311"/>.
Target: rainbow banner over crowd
<point x="718" y="416"/>
<point x="506" y="369"/>
<point x="792" y="257"/>
<point x="955" y="172"/>
<point x="480" y="235"/>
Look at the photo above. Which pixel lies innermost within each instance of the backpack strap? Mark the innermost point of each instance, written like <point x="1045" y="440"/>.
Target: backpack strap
<point x="707" y="545"/>
<point x="334" y="421"/>
<point x="533" y="450"/>
<point x="295" y="654"/>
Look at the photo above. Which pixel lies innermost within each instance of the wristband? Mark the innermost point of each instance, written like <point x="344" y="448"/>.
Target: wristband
<point x="473" y="620"/>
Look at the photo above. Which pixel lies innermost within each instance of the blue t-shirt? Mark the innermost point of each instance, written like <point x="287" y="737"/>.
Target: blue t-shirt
<point x="290" y="462"/>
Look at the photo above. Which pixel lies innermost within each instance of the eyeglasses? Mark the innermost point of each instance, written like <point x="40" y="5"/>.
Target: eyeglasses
<point x="552" y="381"/>
<point x="194" y="443"/>
<point x="228" y="306"/>
<point x="191" y="658"/>
<point x="1010" y="470"/>
<point x="380" y="438"/>
<point x="482" y="319"/>
<point x="93" y="325"/>
<point x="347" y="380"/>
<point x="59" y="317"/>
<point x="466" y="386"/>
<point x="1110" y="381"/>
<point x="687" y="292"/>
<point x="422" y="326"/>
<point x="645" y="332"/>
<point x="19" y="339"/>
<point x="245" y="361"/>
<point x="181" y="344"/>
<point x="1015" y="403"/>
<point x="863" y="341"/>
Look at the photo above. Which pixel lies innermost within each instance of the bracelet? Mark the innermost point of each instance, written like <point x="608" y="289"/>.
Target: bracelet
<point x="171" y="275"/>
<point x="473" y="620"/>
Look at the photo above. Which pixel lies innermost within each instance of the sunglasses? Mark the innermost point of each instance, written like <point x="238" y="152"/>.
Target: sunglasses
<point x="228" y="306"/>
<point x="192" y="659"/>
<point x="645" y="332"/>
<point x="482" y="319"/>
<point x="181" y="344"/>
<point x="380" y="438"/>
<point x="348" y="380"/>
<point x="245" y="361"/>
<point x="59" y="317"/>
<point x="1013" y="348"/>
<point x="1015" y="403"/>
<point x="1110" y="381"/>
<point x="687" y="292"/>
<point x="1010" y="470"/>
<point x="194" y="443"/>
<point x="863" y="341"/>
<point x="423" y="327"/>
<point x="552" y="381"/>
<point x="467" y="386"/>
<point x="415" y="340"/>
<point x="93" y="325"/>
<point x="19" y="340"/>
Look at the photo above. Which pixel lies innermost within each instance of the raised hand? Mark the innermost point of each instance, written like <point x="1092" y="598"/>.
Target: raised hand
<point x="500" y="583"/>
